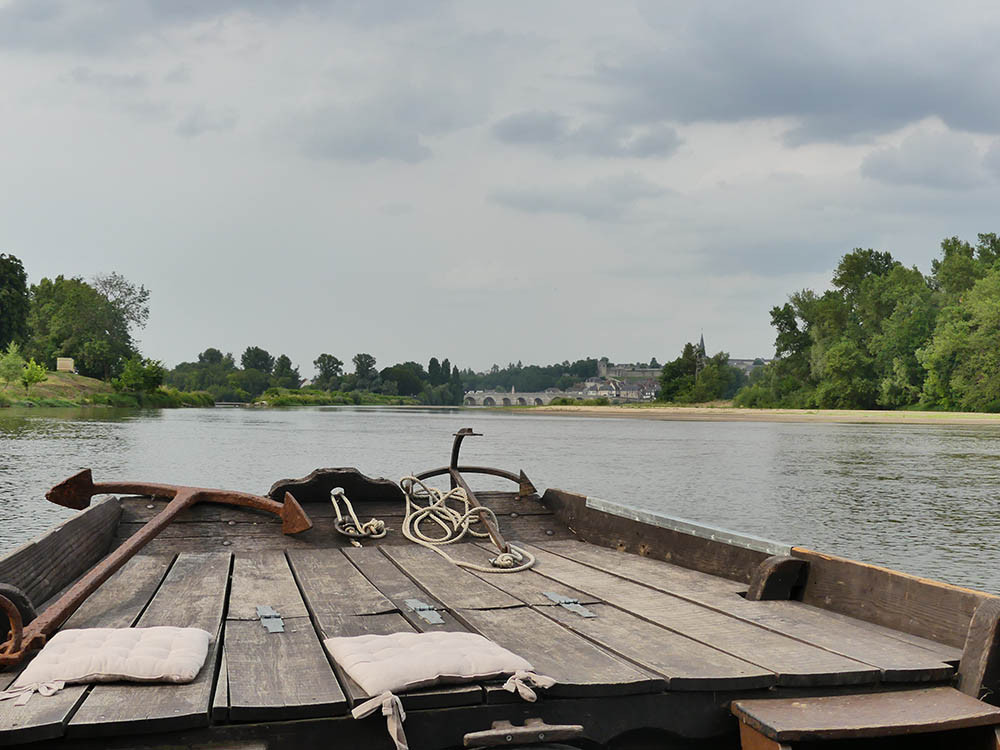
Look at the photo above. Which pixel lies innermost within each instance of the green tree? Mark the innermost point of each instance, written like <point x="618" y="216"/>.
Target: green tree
<point x="11" y="364"/>
<point x="330" y="370"/>
<point x="31" y="374"/>
<point x="255" y="358"/>
<point x="364" y="368"/>
<point x="129" y="300"/>
<point x="140" y="375"/>
<point x="251" y="381"/>
<point x="284" y="375"/>
<point x="677" y="376"/>
<point x="14" y="301"/>
<point x="70" y="318"/>
<point x="434" y="371"/>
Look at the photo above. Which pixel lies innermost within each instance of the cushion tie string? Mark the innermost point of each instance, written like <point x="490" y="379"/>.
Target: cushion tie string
<point x="521" y="683"/>
<point x="22" y="693"/>
<point x="392" y="710"/>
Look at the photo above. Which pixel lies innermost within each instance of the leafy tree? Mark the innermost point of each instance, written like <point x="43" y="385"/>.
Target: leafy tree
<point x="31" y="374"/>
<point x="252" y="381"/>
<point x="678" y="375"/>
<point x="364" y="367"/>
<point x="70" y="318"/>
<point x="140" y="375"/>
<point x="445" y="370"/>
<point x="284" y="375"/>
<point x="653" y="364"/>
<point x="434" y="371"/>
<point x="14" y="301"/>
<point x="409" y="377"/>
<point x="129" y="300"/>
<point x="330" y="369"/>
<point x="11" y="364"/>
<point x="255" y="358"/>
<point x="211" y="371"/>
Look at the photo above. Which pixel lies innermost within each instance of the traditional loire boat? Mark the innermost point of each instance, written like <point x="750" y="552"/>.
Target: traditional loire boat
<point x="658" y="632"/>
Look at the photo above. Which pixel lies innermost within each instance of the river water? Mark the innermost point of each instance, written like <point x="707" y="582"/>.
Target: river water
<point x="920" y="498"/>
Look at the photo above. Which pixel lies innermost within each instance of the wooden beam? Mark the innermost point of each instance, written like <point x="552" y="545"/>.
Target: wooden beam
<point x="779" y="577"/>
<point x="979" y="671"/>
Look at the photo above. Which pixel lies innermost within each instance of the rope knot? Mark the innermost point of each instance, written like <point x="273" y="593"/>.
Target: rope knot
<point x="505" y="560"/>
<point x="521" y="683"/>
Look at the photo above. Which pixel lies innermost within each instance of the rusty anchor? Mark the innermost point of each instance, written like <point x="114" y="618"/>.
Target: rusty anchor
<point x="76" y="492"/>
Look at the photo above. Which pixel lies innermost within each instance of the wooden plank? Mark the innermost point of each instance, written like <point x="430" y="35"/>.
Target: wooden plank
<point x="136" y="510"/>
<point x="897" y="660"/>
<point x="220" y="700"/>
<point x="47" y="564"/>
<point x="397" y="587"/>
<point x="927" y="608"/>
<point x="116" y="604"/>
<point x="526" y="586"/>
<point x="794" y="662"/>
<point x="580" y="667"/>
<point x="276" y="676"/>
<point x="684" y="663"/>
<point x="264" y="578"/>
<point x="192" y="595"/>
<point x="902" y="712"/>
<point x="450" y="584"/>
<point x="333" y="587"/>
<point x="980" y="671"/>
<point x="627" y="535"/>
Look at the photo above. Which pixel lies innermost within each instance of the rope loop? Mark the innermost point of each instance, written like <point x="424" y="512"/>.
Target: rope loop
<point x="349" y="525"/>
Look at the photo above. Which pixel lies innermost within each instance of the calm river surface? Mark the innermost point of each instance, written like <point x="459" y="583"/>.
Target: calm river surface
<point x="924" y="499"/>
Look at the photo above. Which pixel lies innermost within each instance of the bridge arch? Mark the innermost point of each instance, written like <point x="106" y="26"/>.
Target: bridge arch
<point x="489" y="401"/>
<point x="522" y="401"/>
<point x="506" y="401"/>
<point x="470" y="401"/>
<point x="538" y="402"/>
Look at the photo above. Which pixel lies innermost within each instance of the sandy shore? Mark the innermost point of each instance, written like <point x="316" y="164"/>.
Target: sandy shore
<point x="732" y="414"/>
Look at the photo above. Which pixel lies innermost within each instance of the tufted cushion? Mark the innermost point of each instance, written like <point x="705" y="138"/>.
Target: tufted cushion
<point x="406" y="661"/>
<point x="161" y="654"/>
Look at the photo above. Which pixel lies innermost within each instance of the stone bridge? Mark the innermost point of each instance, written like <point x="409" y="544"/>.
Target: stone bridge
<point x="503" y="398"/>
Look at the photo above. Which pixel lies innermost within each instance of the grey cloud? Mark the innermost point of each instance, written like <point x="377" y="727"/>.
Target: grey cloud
<point x="942" y="160"/>
<point x="844" y="71"/>
<point x="602" y="200"/>
<point x="88" y="77"/>
<point x="178" y="74"/>
<point x="555" y="134"/>
<point x="97" y="26"/>
<point x="204" y="120"/>
<point x="992" y="159"/>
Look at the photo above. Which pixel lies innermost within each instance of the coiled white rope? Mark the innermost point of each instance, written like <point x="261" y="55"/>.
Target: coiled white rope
<point x="428" y="504"/>
<point x="353" y="528"/>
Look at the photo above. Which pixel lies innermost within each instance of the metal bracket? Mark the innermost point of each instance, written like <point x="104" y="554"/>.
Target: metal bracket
<point x="573" y="605"/>
<point x="270" y="619"/>
<point x="425" y="611"/>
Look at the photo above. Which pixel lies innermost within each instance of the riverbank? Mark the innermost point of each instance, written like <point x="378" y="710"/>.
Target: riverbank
<point x="67" y="389"/>
<point x="725" y="413"/>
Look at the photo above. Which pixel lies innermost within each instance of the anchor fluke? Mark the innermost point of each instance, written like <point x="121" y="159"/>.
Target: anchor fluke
<point x="74" y="492"/>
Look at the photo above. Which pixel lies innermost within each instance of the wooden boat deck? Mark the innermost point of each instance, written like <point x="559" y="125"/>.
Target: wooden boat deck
<point x="679" y="643"/>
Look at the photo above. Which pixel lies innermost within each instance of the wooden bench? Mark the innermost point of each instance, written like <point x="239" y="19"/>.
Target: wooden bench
<point x="767" y="724"/>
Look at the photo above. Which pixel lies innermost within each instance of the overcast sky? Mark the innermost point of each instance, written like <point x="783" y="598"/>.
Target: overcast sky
<point x="484" y="181"/>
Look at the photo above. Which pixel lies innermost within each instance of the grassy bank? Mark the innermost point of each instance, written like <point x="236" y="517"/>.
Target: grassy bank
<point x="311" y="397"/>
<point x="724" y="411"/>
<point x="68" y="389"/>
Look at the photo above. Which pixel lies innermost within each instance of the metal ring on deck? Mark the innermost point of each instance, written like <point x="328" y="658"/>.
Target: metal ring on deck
<point x="13" y="644"/>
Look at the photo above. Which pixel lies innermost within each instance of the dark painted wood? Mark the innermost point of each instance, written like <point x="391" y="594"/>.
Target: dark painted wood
<point x="861" y="641"/>
<point x="316" y="486"/>
<point x="398" y="587"/>
<point x="450" y="584"/>
<point x="794" y="662"/>
<point x="116" y="604"/>
<point x="927" y="608"/>
<point x="778" y="577"/>
<point x="684" y="663"/>
<point x="274" y="676"/>
<point x="979" y="673"/>
<point x="579" y="667"/>
<point x="624" y="534"/>
<point x="192" y="595"/>
<point x="874" y="715"/>
<point x="49" y="563"/>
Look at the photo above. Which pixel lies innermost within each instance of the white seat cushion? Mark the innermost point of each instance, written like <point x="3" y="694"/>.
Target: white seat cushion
<point x="160" y="654"/>
<point x="406" y="661"/>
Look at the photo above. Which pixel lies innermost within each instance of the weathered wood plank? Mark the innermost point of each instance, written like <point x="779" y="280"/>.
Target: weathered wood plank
<point x="684" y="663"/>
<point x="136" y="510"/>
<point x="902" y="712"/>
<point x="333" y="587"/>
<point x="397" y="587"/>
<point x="116" y="604"/>
<point x="47" y="564"/>
<point x="794" y="662"/>
<point x="580" y="667"/>
<point x="450" y="584"/>
<point x="260" y="579"/>
<point x="980" y="670"/>
<point x="927" y="608"/>
<point x="861" y="641"/>
<point x="220" y="700"/>
<point x="628" y="535"/>
<point x="192" y="595"/>
<point x="274" y="675"/>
